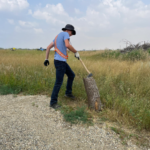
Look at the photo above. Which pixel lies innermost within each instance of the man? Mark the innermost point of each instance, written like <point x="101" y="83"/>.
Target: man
<point x="61" y="43"/>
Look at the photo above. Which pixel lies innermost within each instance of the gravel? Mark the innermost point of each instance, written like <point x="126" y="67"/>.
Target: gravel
<point x="27" y="122"/>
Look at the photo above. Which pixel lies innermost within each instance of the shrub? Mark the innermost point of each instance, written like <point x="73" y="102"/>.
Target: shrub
<point x="75" y="116"/>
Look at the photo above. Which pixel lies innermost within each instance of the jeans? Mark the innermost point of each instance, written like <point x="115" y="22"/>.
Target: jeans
<point x="61" y="69"/>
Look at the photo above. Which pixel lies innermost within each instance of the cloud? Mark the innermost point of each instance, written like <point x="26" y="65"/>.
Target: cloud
<point x="54" y="14"/>
<point x="102" y="22"/>
<point x="125" y="11"/>
<point x="26" y="24"/>
<point x="107" y="17"/>
<point x="17" y="29"/>
<point x="30" y="27"/>
<point x="38" y="30"/>
<point x="103" y="16"/>
<point x="11" y="5"/>
<point x="30" y="12"/>
<point x="11" y="21"/>
<point x="77" y="11"/>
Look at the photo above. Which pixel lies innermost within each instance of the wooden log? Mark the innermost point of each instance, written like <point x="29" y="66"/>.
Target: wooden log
<point x="93" y="95"/>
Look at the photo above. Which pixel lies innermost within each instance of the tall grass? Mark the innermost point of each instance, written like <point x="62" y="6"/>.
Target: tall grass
<point x="131" y="56"/>
<point x="124" y="84"/>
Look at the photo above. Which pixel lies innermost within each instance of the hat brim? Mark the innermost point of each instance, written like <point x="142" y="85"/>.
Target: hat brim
<point x="73" y="31"/>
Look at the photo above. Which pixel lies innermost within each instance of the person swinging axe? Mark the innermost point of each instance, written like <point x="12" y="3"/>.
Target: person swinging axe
<point x="61" y="43"/>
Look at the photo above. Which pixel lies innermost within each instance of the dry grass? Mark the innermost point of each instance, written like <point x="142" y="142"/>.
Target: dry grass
<point x="123" y="85"/>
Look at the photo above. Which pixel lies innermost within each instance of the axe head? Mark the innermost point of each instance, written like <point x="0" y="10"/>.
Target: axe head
<point x="90" y="75"/>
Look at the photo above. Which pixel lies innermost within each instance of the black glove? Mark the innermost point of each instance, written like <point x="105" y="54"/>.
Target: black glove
<point x="46" y="62"/>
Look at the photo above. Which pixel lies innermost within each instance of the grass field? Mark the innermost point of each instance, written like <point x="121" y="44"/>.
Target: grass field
<point x="123" y="81"/>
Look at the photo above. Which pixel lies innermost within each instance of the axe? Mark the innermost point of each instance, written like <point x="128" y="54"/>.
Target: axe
<point x="90" y="74"/>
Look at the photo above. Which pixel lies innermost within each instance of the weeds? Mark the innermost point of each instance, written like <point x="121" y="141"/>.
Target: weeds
<point x="124" y="136"/>
<point x="6" y="89"/>
<point x="14" y="95"/>
<point x="123" y="85"/>
<point x="134" y="55"/>
<point x="33" y="104"/>
<point x="75" y="116"/>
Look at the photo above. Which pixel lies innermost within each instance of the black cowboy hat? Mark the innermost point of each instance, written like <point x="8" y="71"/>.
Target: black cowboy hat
<point x="69" y="27"/>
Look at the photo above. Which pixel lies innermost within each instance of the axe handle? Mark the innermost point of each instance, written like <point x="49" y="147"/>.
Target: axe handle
<point x="84" y="66"/>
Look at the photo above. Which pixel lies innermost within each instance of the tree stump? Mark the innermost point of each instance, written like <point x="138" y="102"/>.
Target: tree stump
<point x="93" y="95"/>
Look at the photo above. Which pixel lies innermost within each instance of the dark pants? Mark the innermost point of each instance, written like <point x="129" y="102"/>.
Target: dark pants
<point x="61" y="69"/>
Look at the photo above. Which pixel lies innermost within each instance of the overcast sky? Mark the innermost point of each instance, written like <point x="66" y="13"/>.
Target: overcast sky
<point x="99" y="23"/>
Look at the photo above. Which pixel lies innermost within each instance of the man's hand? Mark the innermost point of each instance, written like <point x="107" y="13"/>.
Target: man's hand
<point x="46" y="62"/>
<point x="77" y="55"/>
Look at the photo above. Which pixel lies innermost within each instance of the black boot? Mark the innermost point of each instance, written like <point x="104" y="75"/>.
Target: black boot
<point x="70" y="96"/>
<point x="55" y="106"/>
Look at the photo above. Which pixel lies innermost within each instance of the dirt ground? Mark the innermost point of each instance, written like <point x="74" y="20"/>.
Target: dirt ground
<point x="28" y="123"/>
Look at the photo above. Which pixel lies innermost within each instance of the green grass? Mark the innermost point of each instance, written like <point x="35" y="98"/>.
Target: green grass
<point x="76" y="116"/>
<point x="7" y="89"/>
<point x="134" y="55"/>
<point x="122" y="134"/>
<point x="124" y="85"/>
<point x="125" y="137"/>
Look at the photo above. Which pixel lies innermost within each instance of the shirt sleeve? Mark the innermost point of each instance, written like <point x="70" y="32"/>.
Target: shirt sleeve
<point x="66" y="36"/>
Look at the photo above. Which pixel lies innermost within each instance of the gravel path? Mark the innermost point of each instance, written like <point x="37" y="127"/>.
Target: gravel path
<point x="27" y="122"/>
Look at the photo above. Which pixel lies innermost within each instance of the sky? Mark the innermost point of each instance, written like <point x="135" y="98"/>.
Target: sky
<point x="99" y="24"/>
